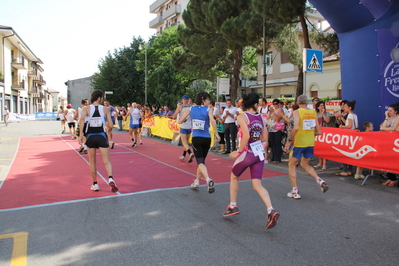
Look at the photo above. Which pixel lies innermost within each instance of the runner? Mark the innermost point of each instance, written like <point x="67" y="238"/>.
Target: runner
<point x="61" y="115"/>
<point x="135" y="116"/>
<point x="109" y="129"/>
<point x="185" y="127"/>
<point x="201" y="117"/>
<point x="251" y="153"/>
<point x="78" y="114"/>
<point x="95" y="115"/>
<point x="302" y="140"/>
<point x="70" y="119"/>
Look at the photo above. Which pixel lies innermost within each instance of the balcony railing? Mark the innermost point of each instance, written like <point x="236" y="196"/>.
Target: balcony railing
<point x="40" y="80"/>
<point x="156" y="5"/>
<point x="173" y="10"/>
<point x="18" y="63"/>
<point x="156" y="22"/>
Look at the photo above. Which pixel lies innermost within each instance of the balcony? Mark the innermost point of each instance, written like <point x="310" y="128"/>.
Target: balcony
<point x="172" y="11"/>
<point x="157" y="4"/>
<point x="18" y="63"/>
<point x="156" y="22"/>
<point x="39" y="80"/>
<point x="32" y="73"/>
<point x="39" y="95"/>
<point x="17" y="84"/>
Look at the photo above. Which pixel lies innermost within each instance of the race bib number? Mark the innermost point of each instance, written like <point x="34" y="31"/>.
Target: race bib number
<point x="257" y="149"/>
<point x="309" y="124"/>
<point x="96" y="122"/>
<point x="198" y="124"/>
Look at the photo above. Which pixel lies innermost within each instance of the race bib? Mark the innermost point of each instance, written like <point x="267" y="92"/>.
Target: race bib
<point x="257" y="149"/>
<point x="198" y="124"/>
<point x="96" y="122"/>
<point x="309" y="124"/>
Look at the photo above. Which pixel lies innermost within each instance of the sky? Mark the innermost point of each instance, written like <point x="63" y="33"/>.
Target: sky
<point x="71" y="37"/>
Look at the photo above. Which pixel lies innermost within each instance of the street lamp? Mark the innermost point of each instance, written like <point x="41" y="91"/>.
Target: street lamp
<point x="145" y="72"/>
<point x="264" y="58"/>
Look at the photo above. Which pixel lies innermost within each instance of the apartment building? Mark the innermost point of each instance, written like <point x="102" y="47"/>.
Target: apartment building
<point x="282" y="76"/>
<point x="169" y="13"/>
<point x="21" y="80"/>
<point x="78" y="89"/>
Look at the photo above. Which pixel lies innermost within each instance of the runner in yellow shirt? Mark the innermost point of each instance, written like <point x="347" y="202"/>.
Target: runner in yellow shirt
<point x="301" y="141"/>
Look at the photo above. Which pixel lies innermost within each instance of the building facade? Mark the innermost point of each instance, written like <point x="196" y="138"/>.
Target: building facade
<point x="22" y="86"/>
<point x="79" y="89"/>
<point x="282" y="76"/>
<point x="169" y="13"/>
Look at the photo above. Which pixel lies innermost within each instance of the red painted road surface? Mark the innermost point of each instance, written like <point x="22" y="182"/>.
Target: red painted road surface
<point x="49" y="169"/>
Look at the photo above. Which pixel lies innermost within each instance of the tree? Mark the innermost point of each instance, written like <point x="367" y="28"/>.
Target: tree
<point x="219" y="30"/>
<point x="287" y="12"/>
<point x="118" y="73"/>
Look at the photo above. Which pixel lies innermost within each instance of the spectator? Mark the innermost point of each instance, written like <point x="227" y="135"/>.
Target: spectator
<point x="230" y="128"/>
<point x="276" y="127"/>
<point x="315" y="101"/>
<point x="350" y="123"/>
<point x="220" y="126"/>
<point x="323" y="118"/>
<point x="390" y="123"/>
<point x="121" y="114"/>
<point x="154" y="110"/>
<point x="368" y="127"/>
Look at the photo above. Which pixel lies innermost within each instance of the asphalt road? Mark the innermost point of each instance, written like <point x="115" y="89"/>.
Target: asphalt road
<point x="348" y="225"/>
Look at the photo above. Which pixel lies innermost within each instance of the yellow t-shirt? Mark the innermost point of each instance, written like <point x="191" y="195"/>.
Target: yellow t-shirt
<point x="304" y="137"/>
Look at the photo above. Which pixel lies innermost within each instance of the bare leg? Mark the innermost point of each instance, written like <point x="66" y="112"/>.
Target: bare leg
<point x="263" y="193"/>
<point x="292" y="170"/>
<point x="184" y="141"/>
<point x="92" y="160"/>
<point x="233" y="188"/>
<point x="309" y="169"/>
<point x="202" y="170"/>
<point x="107" y="163"/>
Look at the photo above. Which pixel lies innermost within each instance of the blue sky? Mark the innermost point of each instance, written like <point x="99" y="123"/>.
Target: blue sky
<point x="70" y="37"/>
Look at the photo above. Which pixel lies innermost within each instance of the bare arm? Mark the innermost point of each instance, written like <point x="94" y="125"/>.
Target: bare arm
<point x="108" y="116"/>
<point x="178" y="110"/>
<point x="85" y="113"/>
<point x="213" y="123"/>
<point x="241" y="119"/>
<point x="184" y="116"/>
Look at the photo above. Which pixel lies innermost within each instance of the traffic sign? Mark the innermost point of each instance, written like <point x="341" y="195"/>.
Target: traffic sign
<point x="313" y="60"/>
<point x="109" y="92"/>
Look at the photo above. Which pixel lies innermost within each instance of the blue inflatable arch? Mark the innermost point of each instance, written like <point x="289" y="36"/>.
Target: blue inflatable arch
<point x="369" y="46"/>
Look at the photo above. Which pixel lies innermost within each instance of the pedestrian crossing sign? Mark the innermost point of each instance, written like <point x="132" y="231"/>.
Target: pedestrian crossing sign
<point x="312" y="60"/>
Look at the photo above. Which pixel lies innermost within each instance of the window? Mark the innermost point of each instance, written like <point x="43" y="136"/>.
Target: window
<point x="339" y="93"/>
<point x="314" y="94"/>
<point x="268" y="59"/>
<point x="284" y="58"/>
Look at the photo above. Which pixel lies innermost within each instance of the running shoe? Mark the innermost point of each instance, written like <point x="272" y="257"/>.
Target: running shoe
<point x="63" y="131"/>
<point x="112" y="184"/>
<point x="81" y="148"/>
<point x="190" y="159"/>
<point x="112" y="145"/>
<point x="141" y="143"/>
<point x="272" y="218"/>
<point x="182" y="157"/>
<point x="323" y="185"/>
<point x="84" y="151"/>
<point x="294" y="195"/>
<point x="195" y="184"/>
<point x="210" y="184"/>
<point x="359" y="176"/>
<point x="95" y="187"/>
<point x="231" y="211"/>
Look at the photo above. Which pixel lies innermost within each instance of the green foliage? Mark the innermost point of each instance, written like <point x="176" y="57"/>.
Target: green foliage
<point x="329" y="42"/>
<point x="283" y="11"/>
<point x="216" y="34"/>
<point x="288" y="41"/>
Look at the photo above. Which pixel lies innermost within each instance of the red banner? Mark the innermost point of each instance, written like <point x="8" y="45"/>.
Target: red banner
<point x="372" y="150"/>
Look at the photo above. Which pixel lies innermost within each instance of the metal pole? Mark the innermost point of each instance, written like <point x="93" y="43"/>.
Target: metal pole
<point x="264" y="58"/>
<point x="145" y="77"/>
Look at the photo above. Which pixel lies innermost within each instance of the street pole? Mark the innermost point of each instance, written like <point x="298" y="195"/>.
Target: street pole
<point x="145" y="74"/>
<point x="264" y="58"/>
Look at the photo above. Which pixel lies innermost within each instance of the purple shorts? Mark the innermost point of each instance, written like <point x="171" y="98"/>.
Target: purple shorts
<point x="245" y="160"/>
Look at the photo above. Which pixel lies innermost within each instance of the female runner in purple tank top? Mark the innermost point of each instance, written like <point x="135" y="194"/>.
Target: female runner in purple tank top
<point x="251" y="153"/>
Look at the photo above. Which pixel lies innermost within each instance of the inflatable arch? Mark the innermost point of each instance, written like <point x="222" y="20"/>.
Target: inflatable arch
<point x="369" y="45"/>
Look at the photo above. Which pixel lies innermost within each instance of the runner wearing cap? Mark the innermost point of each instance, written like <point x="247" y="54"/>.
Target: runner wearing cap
<point x="185" y="127"/>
